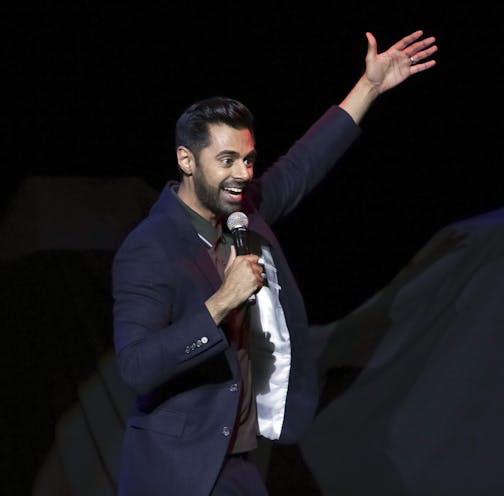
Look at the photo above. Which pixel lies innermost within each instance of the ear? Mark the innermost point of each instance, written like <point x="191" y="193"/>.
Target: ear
<point x="185" y="159"/>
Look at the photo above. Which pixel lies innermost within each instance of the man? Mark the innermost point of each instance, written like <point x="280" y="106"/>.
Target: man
<point x="214" y="369"/>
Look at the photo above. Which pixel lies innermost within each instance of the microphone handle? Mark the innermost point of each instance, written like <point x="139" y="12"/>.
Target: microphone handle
<point x="241" y="245"/>
<point x="240" y="241"/>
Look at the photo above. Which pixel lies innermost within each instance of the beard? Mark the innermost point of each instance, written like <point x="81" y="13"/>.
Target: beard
<point x="210" y="196"/>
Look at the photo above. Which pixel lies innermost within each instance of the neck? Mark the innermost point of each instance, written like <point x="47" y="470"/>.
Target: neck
<point x="187" y="195"/>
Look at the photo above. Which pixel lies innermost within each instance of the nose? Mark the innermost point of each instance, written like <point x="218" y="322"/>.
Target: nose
<point x="242" y="170"/>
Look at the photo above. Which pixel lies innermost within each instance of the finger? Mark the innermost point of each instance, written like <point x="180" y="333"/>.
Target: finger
<point x="423" y="54"/>
<point x="418" y="57"/>
<point x="422" y="67"/>
<point x="422" y="46"/>
<point x="260" y="278"/>
<point x="407" y="40"/>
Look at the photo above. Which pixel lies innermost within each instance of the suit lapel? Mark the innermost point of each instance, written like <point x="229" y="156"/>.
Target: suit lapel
<point x="180" y="225"/>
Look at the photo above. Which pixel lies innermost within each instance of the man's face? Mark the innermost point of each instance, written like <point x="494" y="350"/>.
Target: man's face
<point x="223" y="169"/>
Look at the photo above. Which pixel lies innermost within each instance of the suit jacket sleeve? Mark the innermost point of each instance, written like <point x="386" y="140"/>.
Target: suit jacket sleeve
<point x="161" y="324"/>
<point x="307" y="162"/>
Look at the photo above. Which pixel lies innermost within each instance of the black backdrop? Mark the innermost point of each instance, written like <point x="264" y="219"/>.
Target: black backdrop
<point x="94" y="89"/>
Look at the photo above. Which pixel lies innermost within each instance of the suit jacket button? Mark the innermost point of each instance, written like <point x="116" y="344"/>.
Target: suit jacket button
<point x="225" y="431"/>
<point x="233" y="388"/>
<point x="204" y="340"/>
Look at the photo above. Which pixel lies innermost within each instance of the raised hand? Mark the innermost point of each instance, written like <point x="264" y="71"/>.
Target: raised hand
<point x="408" y="56"/>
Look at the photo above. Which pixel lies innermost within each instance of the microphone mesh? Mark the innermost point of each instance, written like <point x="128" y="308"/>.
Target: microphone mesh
<point x="237" y="220"/>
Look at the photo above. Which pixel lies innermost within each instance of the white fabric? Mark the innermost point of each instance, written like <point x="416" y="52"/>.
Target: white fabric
<point x="271" y="354"/>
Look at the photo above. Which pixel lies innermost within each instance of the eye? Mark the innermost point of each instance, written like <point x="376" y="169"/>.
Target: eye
<point x="250" y="160"/>
<point x="227" y="161"/>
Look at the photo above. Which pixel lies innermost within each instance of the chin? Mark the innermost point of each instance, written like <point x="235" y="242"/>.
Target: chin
<point x="230" y="208"/>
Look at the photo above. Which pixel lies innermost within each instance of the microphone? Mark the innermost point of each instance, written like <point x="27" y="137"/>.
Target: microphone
<point x="237" y="223"/>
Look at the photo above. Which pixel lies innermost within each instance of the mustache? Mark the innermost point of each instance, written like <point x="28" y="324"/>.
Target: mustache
<point x="235" y="184"/>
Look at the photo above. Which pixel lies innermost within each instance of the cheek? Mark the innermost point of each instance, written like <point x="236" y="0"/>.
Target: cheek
<point x="209" y="177"/>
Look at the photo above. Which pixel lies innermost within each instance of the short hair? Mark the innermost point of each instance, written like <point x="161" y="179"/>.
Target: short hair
<point x="192" y="128"/>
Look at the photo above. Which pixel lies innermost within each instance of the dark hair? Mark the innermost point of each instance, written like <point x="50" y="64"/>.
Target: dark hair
<point x="192" y="126"/>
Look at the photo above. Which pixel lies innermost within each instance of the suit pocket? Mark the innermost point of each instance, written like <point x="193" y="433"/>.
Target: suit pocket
<point x="164" y="422"/>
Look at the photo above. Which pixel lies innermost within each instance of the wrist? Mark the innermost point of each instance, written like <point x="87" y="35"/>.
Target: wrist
<point x="359" y="99"/>
<point x="218" y="305"/>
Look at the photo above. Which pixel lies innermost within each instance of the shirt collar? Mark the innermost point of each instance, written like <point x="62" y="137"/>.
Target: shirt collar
<point x="204" y="228"/>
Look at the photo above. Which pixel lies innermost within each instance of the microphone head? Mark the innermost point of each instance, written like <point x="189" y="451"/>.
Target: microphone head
<point x="237" y="220"/>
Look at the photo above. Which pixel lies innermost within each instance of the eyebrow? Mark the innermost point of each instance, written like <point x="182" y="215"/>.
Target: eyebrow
<point x="230" y="153"/>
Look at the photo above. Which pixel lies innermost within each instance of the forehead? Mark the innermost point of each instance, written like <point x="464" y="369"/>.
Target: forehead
<point x="224" y="137"/>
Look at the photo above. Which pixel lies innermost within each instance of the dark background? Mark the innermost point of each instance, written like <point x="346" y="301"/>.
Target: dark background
<point x="95" y="89"/>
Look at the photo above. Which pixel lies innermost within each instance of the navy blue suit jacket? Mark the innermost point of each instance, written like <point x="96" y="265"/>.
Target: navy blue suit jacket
<point x="169" y="350"/>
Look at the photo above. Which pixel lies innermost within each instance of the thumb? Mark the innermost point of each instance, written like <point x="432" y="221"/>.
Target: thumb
<point x="231" y="259"/>
<point x="372" y="49"/>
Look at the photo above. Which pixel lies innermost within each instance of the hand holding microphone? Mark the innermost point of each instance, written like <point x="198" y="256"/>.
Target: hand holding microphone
<point x="237" y="224"/>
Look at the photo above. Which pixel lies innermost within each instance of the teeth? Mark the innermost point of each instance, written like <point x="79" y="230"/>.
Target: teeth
<point x="234" y="190"/>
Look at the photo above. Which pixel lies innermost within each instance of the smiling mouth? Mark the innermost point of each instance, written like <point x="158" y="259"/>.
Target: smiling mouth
<point x="233" y="195"/>
<point x="234" y="191"/>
